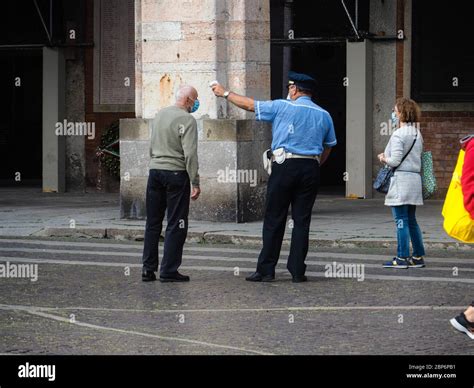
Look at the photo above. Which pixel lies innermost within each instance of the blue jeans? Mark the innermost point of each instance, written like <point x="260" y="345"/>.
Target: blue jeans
<point x="407" y="229"/>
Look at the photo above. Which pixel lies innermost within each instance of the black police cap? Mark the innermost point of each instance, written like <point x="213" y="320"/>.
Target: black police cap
<point x="301" y="80"/>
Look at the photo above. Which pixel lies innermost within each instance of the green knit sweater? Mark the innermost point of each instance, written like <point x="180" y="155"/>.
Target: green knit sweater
<point x="174" y="142"/>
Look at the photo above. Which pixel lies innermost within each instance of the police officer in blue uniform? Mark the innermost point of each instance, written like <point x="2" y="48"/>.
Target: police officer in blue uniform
<point x="303" y="134"/>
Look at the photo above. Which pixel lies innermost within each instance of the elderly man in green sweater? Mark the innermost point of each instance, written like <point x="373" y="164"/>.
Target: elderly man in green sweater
<point x="173" y="169"/>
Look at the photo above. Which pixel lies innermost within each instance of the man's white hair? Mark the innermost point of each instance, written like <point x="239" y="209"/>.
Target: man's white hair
<point x="184" y="92"/>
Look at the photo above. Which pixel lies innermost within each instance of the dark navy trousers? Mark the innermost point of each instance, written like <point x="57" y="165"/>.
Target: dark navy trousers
<point x="294" y="182"/>
<point x="167" y="191"/>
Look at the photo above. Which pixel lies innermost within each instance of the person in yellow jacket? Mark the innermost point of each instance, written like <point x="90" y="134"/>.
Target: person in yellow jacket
<point x="460" y="224"/>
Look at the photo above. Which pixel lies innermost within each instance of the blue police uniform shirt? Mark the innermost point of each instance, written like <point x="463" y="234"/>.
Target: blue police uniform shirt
<point x="300" y="126"/>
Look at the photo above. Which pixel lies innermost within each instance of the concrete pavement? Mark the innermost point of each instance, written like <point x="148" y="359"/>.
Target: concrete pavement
<point x="88" y="298"/>
<point x="337" y="222"/>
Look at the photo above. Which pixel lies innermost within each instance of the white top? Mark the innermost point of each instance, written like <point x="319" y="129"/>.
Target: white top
<point x="406" y="184"/>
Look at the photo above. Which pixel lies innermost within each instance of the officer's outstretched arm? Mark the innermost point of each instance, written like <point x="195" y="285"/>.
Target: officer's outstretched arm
<point x="242" y="102"/>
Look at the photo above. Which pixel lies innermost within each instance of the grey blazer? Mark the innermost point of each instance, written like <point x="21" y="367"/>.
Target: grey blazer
<point x="405" y="185"/>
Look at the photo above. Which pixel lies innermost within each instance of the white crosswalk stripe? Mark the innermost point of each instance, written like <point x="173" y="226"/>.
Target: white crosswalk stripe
<point x="232" y="269"/>
<point x="234" y="259"/>
<point x="221" y="259"/>
<point x="204" y="248"/>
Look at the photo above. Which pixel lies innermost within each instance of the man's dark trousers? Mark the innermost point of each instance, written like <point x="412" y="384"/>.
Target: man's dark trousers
<point x="166" y="191"/>
<point x="295" y="182"/>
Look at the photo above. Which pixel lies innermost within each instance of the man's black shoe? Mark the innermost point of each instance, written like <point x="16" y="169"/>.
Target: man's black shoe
<point x="148" y="276"/>
<point x="174" y="278"/>
<point x="300" y="279"/>
<point x="258" y="277"/>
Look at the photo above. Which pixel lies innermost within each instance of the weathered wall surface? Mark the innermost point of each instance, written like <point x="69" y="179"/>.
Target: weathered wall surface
<point x="382" y="20"/>
<point x="190" y="42"/>
<point x="134" y="149"/>
<point x="232" y="175"/>
<point x="75" y="112"/>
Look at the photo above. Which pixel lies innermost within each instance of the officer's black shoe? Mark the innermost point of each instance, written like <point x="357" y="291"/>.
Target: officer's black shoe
<point x="258" y="277"/>
<point x="300" y="279"/>
<point x="148" y="276"/>
<point x="176" y="278"/>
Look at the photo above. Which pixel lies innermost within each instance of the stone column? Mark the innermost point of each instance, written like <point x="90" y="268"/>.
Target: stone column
<point x="196" y="42"/>
<point x="54" y="147"/>
<point x="191" y="42"/>
<point x="359" y="111"/>
<point x="383" y="21"/>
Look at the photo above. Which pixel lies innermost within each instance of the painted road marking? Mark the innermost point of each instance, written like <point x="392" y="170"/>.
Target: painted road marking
<point x="187" y="247"/>
<point x="230" y="269"/>
<point x="326" y="255"/>
<point x="37" y="312"/>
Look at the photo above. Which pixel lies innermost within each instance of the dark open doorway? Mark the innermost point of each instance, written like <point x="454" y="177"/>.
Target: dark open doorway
<point x="21" y="124"/>
<point x="310" y="37"/>
<point x="27" y="27"/>
<point x="328" y="63"/>
<point x="22" y="35"/>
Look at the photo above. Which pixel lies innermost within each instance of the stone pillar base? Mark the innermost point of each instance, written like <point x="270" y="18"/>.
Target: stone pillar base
<point x="232" y="176"/>
<point x="233" y="181"/>
<point x="134" y="160"/>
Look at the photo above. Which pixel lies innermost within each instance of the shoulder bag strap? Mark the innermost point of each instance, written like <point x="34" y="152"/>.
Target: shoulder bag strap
<point x="414" y="141"/>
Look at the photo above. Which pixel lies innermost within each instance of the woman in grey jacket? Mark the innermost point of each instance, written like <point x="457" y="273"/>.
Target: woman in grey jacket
<point x="405" y="192"/>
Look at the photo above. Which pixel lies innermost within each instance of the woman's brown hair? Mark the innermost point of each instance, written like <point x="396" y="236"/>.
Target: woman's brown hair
<point x="409" y="110"/>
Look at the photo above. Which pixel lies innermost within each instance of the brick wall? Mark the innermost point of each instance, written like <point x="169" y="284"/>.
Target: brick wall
<point x="442" y="132"/>
<point x="400" y="57"/>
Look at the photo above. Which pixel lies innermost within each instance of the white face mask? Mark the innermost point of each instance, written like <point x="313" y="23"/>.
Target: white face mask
<point x="288" y="97"/>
